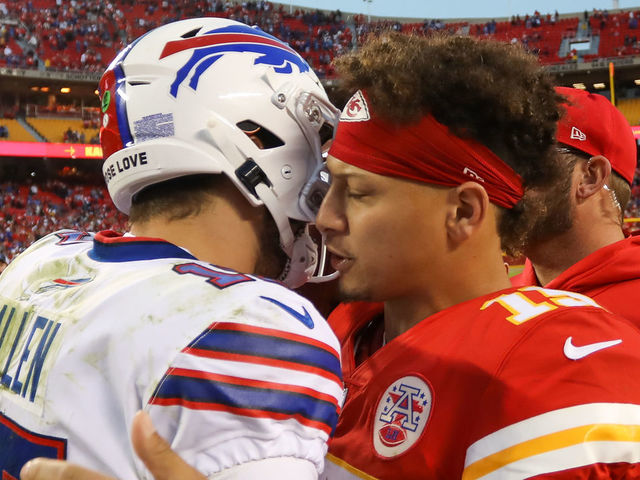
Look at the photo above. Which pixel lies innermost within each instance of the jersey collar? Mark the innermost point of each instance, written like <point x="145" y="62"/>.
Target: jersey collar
<point x="109" y="246"/>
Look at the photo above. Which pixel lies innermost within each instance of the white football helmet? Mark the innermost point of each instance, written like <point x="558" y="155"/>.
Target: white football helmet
<point x="184" y="98"/>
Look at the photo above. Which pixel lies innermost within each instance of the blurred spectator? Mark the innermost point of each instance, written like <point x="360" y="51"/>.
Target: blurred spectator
<point x="71" y="136"/>
<point x="633" y="207"/>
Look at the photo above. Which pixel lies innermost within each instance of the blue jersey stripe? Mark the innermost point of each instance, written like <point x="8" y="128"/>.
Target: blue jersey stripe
<point x="247" y="397"/>
<point x="133" y="250"/>
<point x="245" y="343"/>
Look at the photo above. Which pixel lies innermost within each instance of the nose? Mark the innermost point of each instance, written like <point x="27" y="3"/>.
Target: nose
<point x="331" y="218"/>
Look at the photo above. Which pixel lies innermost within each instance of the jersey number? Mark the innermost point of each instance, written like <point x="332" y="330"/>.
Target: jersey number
<point x="19" y="445"/>
<point x="523" y="308"/>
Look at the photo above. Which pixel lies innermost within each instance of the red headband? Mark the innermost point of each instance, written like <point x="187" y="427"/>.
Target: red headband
<point x="425" y="151"/>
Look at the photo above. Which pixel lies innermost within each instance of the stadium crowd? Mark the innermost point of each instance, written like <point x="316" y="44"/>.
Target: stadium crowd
<point x="633" y="207"/>
<point x="32" y="209"/>
<point x="85" y="34"/>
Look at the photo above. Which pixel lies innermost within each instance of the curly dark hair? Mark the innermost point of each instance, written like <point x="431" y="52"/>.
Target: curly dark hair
<point x="490" y="91"/>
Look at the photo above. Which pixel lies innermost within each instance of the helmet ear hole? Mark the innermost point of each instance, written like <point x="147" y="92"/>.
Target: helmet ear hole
<point x="261" y="136"/>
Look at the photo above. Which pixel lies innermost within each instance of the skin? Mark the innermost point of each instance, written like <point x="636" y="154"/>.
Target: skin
<point x="152" y="449"/>
<point x="241" y="245"/>
<point x="594" y="222"/>
<point x="395" y="241"/>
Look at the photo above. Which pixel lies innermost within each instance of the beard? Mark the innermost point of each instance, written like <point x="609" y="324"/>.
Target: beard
<point x="347" y="296"/>
<point x="272" y="259"/>
<point x="556" y="215"/>
<point x="354" y="287"/>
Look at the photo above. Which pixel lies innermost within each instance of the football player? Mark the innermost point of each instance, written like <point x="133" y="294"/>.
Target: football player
<point x="449" y="371"/>
<point x="579" y="244"/>
<point x="212" y="134"/>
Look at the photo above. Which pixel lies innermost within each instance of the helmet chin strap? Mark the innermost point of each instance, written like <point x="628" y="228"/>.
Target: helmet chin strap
<point x="320" y="277"/>
<point x="301" y="250"/>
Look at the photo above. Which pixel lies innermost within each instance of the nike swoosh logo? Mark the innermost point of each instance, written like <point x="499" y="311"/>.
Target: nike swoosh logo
<point x="576" y="353"/>
<point x="304" y="317"/>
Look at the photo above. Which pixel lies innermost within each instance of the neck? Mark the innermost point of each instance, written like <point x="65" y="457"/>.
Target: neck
<point x="480" y="278"/>
<point x="552" y="257"/>
<point x="235" y="246"/>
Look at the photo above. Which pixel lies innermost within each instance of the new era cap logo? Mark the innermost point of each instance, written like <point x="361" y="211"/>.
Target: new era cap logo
<point x="356" y="109"/>
<point x="472" y="174"/>
<point x="576" y="134"/>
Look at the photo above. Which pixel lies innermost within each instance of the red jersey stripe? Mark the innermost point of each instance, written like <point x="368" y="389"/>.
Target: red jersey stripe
<point x="270" y="362"/>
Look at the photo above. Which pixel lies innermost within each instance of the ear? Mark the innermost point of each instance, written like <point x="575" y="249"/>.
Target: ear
<point x="593" y="176"/>
<point x="467" y="209"/>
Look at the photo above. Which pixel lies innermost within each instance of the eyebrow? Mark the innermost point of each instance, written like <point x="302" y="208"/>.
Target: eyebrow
<point x="345" y="171"/>
<point x="347" y="174"/>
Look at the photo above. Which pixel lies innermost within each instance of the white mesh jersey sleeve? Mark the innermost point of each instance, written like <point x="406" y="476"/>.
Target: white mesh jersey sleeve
<point x="279" y="468"/>
<point x="262" y="380"/>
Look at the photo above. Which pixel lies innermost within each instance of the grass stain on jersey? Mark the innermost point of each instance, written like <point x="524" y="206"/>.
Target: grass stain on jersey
<point x="95" y="360"/>
<point x="154" y="320"/>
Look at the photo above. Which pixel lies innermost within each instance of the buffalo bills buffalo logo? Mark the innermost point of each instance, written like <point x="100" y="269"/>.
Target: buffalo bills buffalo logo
<point x="210" y="47"/>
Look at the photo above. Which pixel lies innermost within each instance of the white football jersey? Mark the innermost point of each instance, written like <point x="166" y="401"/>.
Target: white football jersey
<point x="231" y="367"/>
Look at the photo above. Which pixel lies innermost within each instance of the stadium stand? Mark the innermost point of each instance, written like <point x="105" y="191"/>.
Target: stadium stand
<point x="63" y="130"/>
<point x="30" y="210"/>
<point x="87" y="36"/>
<point x="630" y="108"/>
<point x="618" y="33"/>
<point x="15" y="131"/>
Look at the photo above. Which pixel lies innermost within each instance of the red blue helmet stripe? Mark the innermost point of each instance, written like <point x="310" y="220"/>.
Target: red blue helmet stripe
<point x="213" y="45"/>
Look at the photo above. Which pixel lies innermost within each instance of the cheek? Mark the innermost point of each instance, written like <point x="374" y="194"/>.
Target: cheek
<point x="408" y="242"/>
<point x="386" y="241"/>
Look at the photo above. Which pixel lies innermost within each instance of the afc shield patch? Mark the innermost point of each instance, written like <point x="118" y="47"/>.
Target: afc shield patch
<point x="402" y="415"/>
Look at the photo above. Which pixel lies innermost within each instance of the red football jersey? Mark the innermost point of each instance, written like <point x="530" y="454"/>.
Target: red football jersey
<point x="517" y="384"/>
<point x="610" y="275"/>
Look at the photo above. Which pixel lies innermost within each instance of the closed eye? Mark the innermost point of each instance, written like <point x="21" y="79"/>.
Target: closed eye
<point x="356" y="195"/>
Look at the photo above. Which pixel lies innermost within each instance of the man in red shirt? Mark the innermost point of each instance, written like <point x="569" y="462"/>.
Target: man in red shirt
<point x="579" y="244"/>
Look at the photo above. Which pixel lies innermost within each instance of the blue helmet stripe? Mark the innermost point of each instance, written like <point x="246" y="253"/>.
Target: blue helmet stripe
<point x="121" y="106"/>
